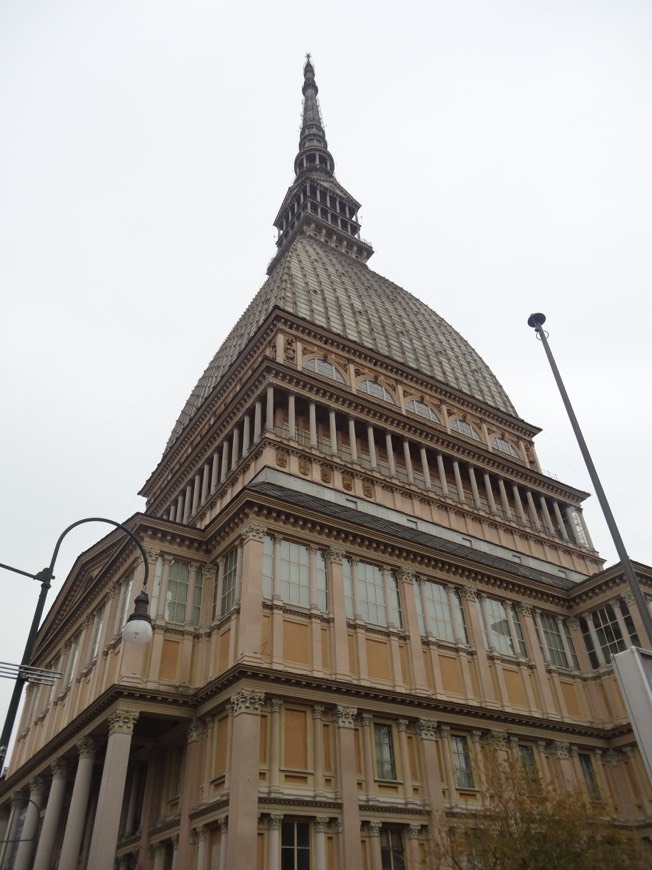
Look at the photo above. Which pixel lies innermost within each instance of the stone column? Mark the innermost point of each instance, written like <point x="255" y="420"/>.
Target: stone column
<point x="560" y="520"/>
<point x="424" y="467"/>
<point x="402" y="725"/>
<point x="246" y="705"/>
<point x="246" y="434"/>
<point x="318" y="743"/>
<point x="205" y="482"/>
<point x="269" y="409"/>
<point x="348" y="787"/>
<point x="29" y="833"/>
<point x="8" y="847"/>
<point x="474" y="487"/>
<point x="292" y="417"/>
<point x="507" y="511"/>
<point x="413" y="834"/>
<point x="451" y="779"/>
<point x="235" y="452"/>
<point x="109" y="803"/>
<point x="372" y="445"/>
<point x="340" y="634"/>
<point x="431" y="777"/>
<point x="353" y="440"/>
<point x="215" y="470"/>
<point x="532" y="644"/>
<point x="78" y="804"/>
<point x="366" y="736"/>
<point x="458" y="481"/>
<point x="274" y="842"/>
<point x="321" y="824"/>
<point x="519" y="505"/>
<point x="275" y="747"/>
<point x="533" y="510"/>
<point x="187" y="503"/>
<point x="258" y="420"/>
<point x="224" y="841"/>
<point x="225" y="460"/>
<point x="200" y="839"/>
<point x="411" y="616"/>
<point x="196" y="492"/>
<point x="490" y="493"/>
<point x="596" y="641"/>
<point x="332" y="430"/>
<point x="190" y="791"/>
<point x="179" y="510"/>
<point x="373" y="830"/>
<point x="312" y="421"/>
<point x="251" y="600"/>
<point x="473" y="621"/>
<point x="442" y="475"/>
<point x="52" y="817"/>
<point x="546" y="515"/>
<point x="408" y="460"/>
<point x="389" y="447"/>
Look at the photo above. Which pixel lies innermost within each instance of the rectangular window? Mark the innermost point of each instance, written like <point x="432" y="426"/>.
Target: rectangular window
<point x="392" y="853"/>
<point x="125" y="603"/>
<point x="385" y="764"/>
<point x="367" y="583"/>
<point x="553" y="640"/>
<point x="156" y="587"/>
<point x="629" y="622"/>
<point x="268" y="567"/>
<point x="229" y="577"/>
<point x="176" y="596"/>
<point x="97" y="632"/>
<point x="295" y="846"/>
<point x="462" y="762"/>
<point x="196" y="597"/>
<point x="497" y="630"/>
<point x="588" y="773"/>
<point x="571" y="645"/>
<point x="72" y="661"/>
<point x="588" y="643"/>
<point x="439" y="619"/>
<point x="528" y="763"/>
<point x="295" y="564"/>
<point x="608" y="631"/>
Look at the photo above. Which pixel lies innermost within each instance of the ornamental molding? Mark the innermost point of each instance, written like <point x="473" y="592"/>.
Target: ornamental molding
<point x="253" y="531"/>
<point x="426" y="729"/>
<point x="86" y="747"/>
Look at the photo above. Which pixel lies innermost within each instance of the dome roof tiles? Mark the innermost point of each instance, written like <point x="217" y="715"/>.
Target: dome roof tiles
<point x="336" y="292"/>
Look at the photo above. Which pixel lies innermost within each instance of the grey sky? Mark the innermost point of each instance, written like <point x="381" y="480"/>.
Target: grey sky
<point x="501" y="151"/>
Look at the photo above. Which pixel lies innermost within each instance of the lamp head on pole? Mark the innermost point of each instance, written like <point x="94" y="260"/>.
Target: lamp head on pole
<point x="536" y="321"/>
<point x="138" y="628"/>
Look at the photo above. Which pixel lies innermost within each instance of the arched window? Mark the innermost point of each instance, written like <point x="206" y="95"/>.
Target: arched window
<point x="422" y="410"/>
<point x="324" y="368"/>
<point x="504" y="446"/>
<point x="373" y="388"/>
<point x="465" y="428"/>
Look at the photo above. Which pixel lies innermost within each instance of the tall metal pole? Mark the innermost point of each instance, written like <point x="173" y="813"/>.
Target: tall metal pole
<point x="46" y="576"/>
<point x="536" y="321"/>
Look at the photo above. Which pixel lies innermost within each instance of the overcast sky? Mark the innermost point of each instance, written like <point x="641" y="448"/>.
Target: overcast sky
<point x="502" y="154"/>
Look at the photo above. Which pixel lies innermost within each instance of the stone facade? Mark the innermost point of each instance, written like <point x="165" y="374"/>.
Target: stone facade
<point x="357" y="573"/>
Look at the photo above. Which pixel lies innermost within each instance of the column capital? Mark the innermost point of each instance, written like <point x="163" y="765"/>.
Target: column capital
<point x="247" y="701"/>
<point x="86" y="747"/>
<point x="426" y="729"/>
<point x="345" y="716"/>
<point x="405" y="575"/>
<point x="122" y="722"/>
<point x="335" y="555"/>
<point x="374" y="828"/>
<point x="402" y="724"/>
<point x="275" y="820"/>
<point x="524" y="609"/>
<point x="414" y="831"/>
<point x="321" y="825"/>
<point x="253" y="531"/>
<point x="317" y="712"/>
<point x="276" y="705"/>
<point x="195" y="729"/>
<point x="224" y="824"/>
<point x="560" y="748"/>
<point x="468" y="593"/>
<point x="60" y="768"/>
<point x="366" y="720"/>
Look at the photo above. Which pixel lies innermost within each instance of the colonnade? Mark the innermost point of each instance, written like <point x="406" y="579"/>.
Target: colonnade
<point x="364" y="444"/>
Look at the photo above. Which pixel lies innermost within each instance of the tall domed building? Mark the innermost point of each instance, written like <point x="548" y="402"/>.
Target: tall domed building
<point x="358" y="573"/>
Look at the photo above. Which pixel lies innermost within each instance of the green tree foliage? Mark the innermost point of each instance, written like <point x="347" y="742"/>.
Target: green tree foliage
<point x="524" y="824"/>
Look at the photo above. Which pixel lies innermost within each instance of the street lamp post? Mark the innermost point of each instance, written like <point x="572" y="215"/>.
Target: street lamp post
<point x="138" y="628"/>
<point x="536" y="321"/>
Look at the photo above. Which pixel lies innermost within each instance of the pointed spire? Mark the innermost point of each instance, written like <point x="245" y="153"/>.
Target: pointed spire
<point x="316" y="204"/>
<point x="313" y="148"/>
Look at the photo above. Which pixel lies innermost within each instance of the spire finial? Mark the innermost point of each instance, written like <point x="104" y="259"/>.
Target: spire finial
<point x="313" y="138"/>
